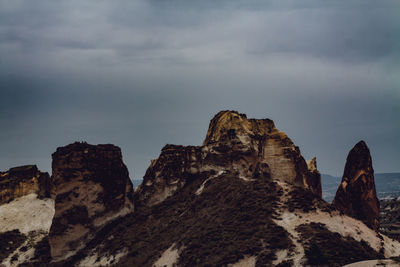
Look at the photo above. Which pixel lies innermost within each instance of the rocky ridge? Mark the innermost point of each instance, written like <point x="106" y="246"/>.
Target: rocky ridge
<point x="245" y="197"/>
<point x="356" y="195"/>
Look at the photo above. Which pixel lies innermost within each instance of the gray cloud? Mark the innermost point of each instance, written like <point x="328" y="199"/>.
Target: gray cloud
<point x="141" y="74"/>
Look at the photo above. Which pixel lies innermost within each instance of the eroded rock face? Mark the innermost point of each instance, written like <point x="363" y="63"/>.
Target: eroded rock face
<point x="356" y="195"/>
<point x="26" y="211"/>
<point x="91" y="187"/>
<point x="22" y="181"/>
<point x="247" y="148"/>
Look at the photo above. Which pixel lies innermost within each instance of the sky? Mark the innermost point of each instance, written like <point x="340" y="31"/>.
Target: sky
<point x="141" y="74"/>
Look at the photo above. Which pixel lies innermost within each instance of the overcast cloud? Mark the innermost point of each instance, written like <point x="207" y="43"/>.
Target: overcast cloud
<point x="141" y="74"/>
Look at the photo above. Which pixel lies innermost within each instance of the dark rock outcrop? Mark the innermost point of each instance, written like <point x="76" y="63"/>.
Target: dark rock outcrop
<point x="314" y="176"/>
<point x="23" y="180"/>
<point x="91" y="188"/>
<point x="356" y="195"/>
<point x="247" y="148"/>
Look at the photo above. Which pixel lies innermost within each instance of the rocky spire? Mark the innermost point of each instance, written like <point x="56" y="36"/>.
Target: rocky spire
<point x="356" y="195"/>
<point x="314" y="176"/>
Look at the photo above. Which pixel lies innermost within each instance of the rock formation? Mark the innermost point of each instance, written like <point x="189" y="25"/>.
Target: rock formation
<point x="247" y="148"/>
<point x="91" y="187"/>
<point x="26" y="211"/>
<point x="315" y="177"/>
<point x="245" y="197"/>
<point x="22" y="181"/>
<point x="356" y="195"/>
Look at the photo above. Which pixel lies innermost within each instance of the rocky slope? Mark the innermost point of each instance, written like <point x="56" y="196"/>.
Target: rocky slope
<point x="356" y="195"/>
<point x="26" y="212"/>
<point x="92" y="187"/>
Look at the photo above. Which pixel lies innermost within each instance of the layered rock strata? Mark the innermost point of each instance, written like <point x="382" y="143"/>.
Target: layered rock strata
<point x="26" y="211"/>
<point x="247" y="148"/>
<point x="22" y="181"/>
<point x="356" y="195"/>
<point x="91" y="187"/>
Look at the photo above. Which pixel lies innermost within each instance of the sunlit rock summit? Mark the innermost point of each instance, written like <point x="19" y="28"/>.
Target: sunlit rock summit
<point x="247" y="148"/>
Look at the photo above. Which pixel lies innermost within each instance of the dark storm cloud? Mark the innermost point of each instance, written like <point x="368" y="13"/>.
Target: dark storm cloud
<point x="141" y="74"/>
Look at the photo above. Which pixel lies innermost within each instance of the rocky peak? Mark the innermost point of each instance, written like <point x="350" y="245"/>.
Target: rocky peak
<point x="314" y="176"/>
<point x="356" y="195"/>
<point x="228" y="125"/>
<point x="91" y="187"/>
<point x="23" y="180"/>
<point x="312" y="164"/>
<point x="260" y="138"/>
<point x="246" y="148"/>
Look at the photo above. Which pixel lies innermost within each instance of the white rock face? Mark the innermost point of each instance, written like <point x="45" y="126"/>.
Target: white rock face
<point x="27" y="213"/>
<point x="335" y="222"/>
<point x="169" y="258"/>
<point x="31" y="216"/>
<point x="201" y="188"/>
<point x="248" y="261"/>
<point x="93" y="260"/>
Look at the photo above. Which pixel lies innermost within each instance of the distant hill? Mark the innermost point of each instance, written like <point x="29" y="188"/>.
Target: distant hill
<point x="387" y="185"/>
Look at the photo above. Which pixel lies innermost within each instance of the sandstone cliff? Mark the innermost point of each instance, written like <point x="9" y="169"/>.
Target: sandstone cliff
<point x="356" y="195"/>
<point x="248" y="148"/>
<point x="91" y="187"/>
<point x="22" y="181"/>
<point x="26" y="211"/>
